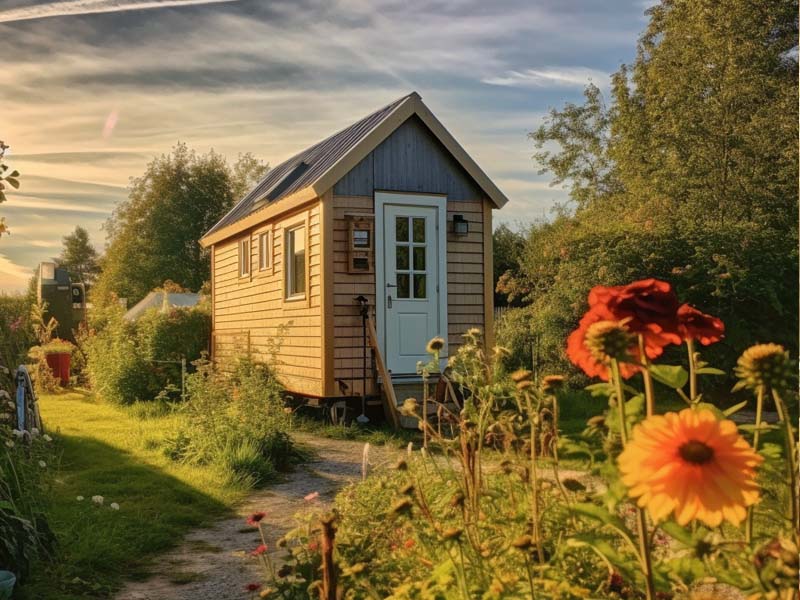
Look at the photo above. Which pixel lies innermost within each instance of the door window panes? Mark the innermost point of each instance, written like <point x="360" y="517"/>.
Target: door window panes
<point x="410" y="258"/>
<point x="401" y="229"/>
<point x="402" y="285"/>
<point x="402" y="258"/>
<point x="420" y="280"/>
<point x="296" y="262"/>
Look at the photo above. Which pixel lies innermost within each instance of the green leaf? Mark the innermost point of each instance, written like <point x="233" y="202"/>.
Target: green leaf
<point x="709" y="371"/>
<point x="734" y="409"/>
<point x="634" y="408"/>
<point x="600" y="389"/>
<point x="671" y="376"/>
<point x="707" y="406"/>
<point x="599" y="513"/>
<point x="14" y="182"/>
<point x="681" y="534"/>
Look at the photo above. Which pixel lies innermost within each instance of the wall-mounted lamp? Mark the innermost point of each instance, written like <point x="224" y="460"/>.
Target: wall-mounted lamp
<point x="460" y="225"/>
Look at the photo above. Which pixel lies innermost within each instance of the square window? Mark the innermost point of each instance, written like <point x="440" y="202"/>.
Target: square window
<point x="296" y="262"/>
<point x="264" y="251"/>
<point x="244" y="257"/>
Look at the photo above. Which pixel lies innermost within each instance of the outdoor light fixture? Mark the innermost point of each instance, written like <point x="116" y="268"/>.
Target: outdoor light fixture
<point x="460" y="225"/>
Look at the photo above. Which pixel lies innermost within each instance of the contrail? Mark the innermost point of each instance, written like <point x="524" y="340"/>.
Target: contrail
<point x="84" y="7"/>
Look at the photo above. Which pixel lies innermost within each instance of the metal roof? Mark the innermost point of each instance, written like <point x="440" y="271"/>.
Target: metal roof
<point x="305" y="168"/>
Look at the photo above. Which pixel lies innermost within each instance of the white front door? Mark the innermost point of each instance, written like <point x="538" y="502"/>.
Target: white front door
<point x="413" y="279"/>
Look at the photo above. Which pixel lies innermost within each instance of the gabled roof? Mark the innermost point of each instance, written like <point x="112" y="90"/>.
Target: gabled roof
<point x="314" y="171"/>
<point x="162" y="300"/>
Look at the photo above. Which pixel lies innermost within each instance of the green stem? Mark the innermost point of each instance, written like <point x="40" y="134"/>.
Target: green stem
<point x="641" y="516"/>
<point x="692" y="370"/>
<point x="748" y="528"/>
<point x="791" y="458"/>
<point x="534" y="483"/>
<point x="648" y="380"/>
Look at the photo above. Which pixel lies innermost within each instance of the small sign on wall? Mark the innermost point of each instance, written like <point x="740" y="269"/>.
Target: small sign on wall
<point x="360" y="255"/>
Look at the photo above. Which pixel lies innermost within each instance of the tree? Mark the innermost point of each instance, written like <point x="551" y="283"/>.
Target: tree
<point x="8" y="177"/>
<point x="153" y="235"/>
<point x="508" y="246"/>
<point x="79" y="257"/>
<point x="689" y="175"/>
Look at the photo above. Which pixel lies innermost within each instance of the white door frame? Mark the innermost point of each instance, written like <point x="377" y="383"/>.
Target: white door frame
<point x="438" y="201"/>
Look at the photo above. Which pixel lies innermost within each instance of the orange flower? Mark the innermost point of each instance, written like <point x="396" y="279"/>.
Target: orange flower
<point x="582" y="354"/>
<point x="649" y="306"/>
<point x="692" y="464"/>
<point x="696" y="325"/>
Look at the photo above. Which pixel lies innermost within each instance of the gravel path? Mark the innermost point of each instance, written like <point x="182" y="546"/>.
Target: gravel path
<point x="214" y="562"/>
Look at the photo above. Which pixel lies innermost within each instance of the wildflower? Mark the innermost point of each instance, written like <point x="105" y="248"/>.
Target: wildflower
<point x="695" y="325"/>
<point x="408" y="544"/>
<point x="259" y="550"/>
<point x="252" y="587"/>
<point x="409" y="407"/>
<point x="311" y="496"/>
<point x="34" y="431"/>
<point x="42" y="464"/>
<point x="9" y="444"/>
<point x="764" y="365"/>
<point x="596" y="341"/>
<point x="435" y="345"/>
<point x="691" y="464"/>
<point x="401" y="507"/>
<point x="114" y="506"/>
<point x="552" y="383"/>
<point x="650" y="306"/>
<point x="452" y="533"/>
<point x="17" y="433"/>
<point x="47" y="438"/>
<point x="79" y="498"/>
<point x="313" y="545"/>
<point x="97" y="499"/>
<point x="256" y="518"/>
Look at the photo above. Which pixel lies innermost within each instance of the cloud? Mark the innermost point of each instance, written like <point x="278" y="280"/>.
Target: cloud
<point x="550" y="77"/>
<point x="13" y="277"/>
<point x="84" y="7"/>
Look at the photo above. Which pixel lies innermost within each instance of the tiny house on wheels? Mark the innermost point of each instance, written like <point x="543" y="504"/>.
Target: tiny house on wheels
<point x="390" y="213"/>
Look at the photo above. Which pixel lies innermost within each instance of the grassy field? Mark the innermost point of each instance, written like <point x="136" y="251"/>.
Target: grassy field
<point x="106" y="450"/>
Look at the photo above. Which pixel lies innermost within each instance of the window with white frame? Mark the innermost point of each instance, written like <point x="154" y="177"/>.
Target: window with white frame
<point x="244" y="257"/>
<point x="296" y="262"/>
<point x="264" y="251"/>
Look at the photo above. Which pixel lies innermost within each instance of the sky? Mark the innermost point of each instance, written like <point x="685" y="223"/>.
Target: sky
<point x="91" y="90"/>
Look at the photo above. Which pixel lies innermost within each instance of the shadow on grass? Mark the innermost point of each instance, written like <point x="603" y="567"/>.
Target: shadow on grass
<point x="99" y="547"/>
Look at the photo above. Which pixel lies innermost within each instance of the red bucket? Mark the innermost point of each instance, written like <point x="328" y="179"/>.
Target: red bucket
<point x="59" y="365"/>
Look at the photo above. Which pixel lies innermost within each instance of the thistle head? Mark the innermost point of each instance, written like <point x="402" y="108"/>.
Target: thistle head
<point x="764" y="365"/>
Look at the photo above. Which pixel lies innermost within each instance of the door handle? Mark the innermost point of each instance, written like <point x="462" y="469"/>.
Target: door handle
<point x="389" y="302"/>
<point x="390" y="285"/>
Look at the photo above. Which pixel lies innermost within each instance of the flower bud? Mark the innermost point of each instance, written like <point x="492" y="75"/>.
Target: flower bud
<point x="607" y="340"/>
<point x="764" y="365"/>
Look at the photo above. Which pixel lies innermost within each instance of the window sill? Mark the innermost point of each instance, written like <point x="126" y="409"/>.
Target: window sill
<point x="297" y="298"/>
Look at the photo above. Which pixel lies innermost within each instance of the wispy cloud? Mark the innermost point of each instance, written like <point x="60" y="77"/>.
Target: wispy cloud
<point x="550" y="77"/>
<point x="13" y="277"/>
<point x="84" y="7"/>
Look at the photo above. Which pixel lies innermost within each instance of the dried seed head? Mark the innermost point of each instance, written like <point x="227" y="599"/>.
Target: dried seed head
<point x="507" y="466"/>
<point x="407" y="489"/>
<point x="607" y="340"/>
<point x="552" y="383"/>
<point x="409" y="408"/>
<point x="766" y="365"/>
<point x="452" y="533"/>
<point x="435" y="345"/>
<point x="457" y="501"/>
<point x="401" y="507"/>
<point x="521" y="375"/>
<point x="401" y="465"/>
<point x="523" y="542"/>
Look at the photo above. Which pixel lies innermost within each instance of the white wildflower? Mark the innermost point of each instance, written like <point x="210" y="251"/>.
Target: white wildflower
<point x="97" y="499"/>
<point x="42" y="464"/>
<point x="114" y="506"/>
<point x="47" y="438"/>
<point x="17" y="433"/>
<point x="34" y="431"/>
<point x="79" y="498"/>
<point x="9" y="444"/>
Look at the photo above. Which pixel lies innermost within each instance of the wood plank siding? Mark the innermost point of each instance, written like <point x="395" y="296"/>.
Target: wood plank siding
<point x="409" y="160"/>
<point x="251" y="314"/>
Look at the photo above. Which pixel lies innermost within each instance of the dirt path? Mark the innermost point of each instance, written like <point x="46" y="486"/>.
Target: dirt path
<point x="214" y="562"/>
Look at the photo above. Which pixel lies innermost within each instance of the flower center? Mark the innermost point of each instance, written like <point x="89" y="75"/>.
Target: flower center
<point x="696" y="452"/>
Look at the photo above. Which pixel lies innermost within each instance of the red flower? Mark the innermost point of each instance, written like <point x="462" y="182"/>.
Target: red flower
<point x="650" y="307"/>
<point x="259" y="550"/>
<point x="256" y="518"/>
<point x="581" y="356"/>
<point x="252" y="587"/>
<point x="313" y="545"/>
<point x="408" y="544"/>
<point x="695" y="325"/>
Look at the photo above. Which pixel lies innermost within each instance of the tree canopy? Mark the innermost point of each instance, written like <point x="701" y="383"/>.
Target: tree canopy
<point x="153" y="235"/>
<point x="689" y="174"/>
<point x="79" y="257"/>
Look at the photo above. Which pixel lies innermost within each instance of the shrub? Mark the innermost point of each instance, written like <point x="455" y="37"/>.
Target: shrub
<point x="16" y="333"/>
<point x="235" y="420"/>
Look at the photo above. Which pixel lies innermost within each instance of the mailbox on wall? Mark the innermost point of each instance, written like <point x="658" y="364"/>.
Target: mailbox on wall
<point x="361" y="244"/>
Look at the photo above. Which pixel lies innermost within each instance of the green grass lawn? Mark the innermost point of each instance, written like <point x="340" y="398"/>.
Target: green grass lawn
<point x="105" y="450"/>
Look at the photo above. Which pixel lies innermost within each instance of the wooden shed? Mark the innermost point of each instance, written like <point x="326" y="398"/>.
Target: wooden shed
<point x="391" y="209"/>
